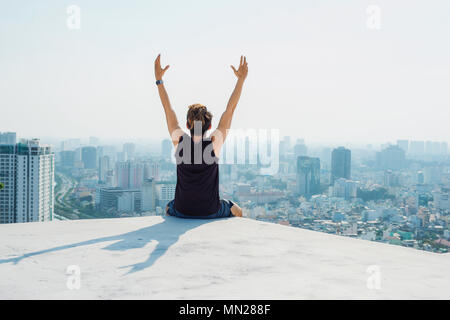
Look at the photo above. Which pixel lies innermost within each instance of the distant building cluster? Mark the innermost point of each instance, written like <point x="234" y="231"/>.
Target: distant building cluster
<point x="395" y="193"/>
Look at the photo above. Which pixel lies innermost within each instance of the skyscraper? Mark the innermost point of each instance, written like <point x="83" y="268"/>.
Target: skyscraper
<point x="67" y="158"/>
<point x="129" y="148"/>
<point x="285" y="146"/>
<point x="444" y="148"/>
<point x="116" y="200"/>
<point x="340" y="164"/>
<point x="94" y="141"/>
<point x="417" y="148"/>
<point x="129" y="174"/>
<point x="392" y="157"/>
<point x="103" y="168"/>
<point x="428" y="147"/>
<point x="300" y="149"/>
<point x="89" y="157"/>
<point x="165" y="193"/>
<point x="403" y="144"/>
<point x="27" y="171"/>
<point x="8" y="138"/>
<point x="148" y="192"/>
<point x="166" y="148"/>
<point x="151" y="170"/>
<point x="346" y="189"/>
<point x="308" y="176"/>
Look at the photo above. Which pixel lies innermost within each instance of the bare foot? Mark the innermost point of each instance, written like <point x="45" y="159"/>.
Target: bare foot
<point x="236" y="210"/>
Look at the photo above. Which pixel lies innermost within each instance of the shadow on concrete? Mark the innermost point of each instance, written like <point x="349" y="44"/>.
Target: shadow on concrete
<point x="166" y="233"/>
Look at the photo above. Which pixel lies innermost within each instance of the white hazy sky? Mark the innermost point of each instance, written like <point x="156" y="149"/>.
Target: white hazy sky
<point x="315" y="70"/>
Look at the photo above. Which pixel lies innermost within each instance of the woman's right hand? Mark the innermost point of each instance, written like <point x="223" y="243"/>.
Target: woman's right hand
<point x="242" y="71"/>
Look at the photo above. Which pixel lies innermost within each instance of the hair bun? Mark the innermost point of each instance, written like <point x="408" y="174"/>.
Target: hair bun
<point x="199" y="112"/>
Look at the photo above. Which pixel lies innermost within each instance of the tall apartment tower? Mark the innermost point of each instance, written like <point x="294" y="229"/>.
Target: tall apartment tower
<point x="308" y="175"/>
<point x="129" y="149"/>
<point x="89" y="157"/>
<point x="166" y="148"/>
<point x="340" y="164"/>
<point x="8" y="138"/>
<point x="148" y="190"/>
<point x="104" y="165"/>
<point x="129" y="174"/>
<point x="391" y="158"/>
<point x="27" y="171"/>
<point x="404" y="145"/>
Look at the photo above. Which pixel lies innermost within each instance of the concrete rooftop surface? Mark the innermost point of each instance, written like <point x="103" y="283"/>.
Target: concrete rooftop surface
<point x="235" y="258"/>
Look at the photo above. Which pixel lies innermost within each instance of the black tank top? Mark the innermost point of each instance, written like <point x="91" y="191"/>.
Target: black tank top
<point x="197" y="190"/>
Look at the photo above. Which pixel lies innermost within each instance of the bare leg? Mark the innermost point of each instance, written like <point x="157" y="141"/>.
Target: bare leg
<point x="236" y="210"/>
<point x="167" y="210"/>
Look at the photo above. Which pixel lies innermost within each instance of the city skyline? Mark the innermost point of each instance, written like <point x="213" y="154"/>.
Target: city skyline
<point x="398" y="194"/>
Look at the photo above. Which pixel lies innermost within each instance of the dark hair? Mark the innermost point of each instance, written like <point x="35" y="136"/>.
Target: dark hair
<point x="198" y="112"/>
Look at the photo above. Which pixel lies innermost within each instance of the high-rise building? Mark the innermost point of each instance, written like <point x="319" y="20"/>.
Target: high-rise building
<point x="94" y="141"/>
<point x="340" y="164"/>
<point x="105" y="150"/>
<point x="89" y="157"/>
<point x="392" y="157"/>
<point x="8" y="178"/>
<point x="8" y="138"/>
<point x="308" y="176"/>
<point x="433" y="174"/>
<point x="417" y="148"/>
<point x="67" y="158"/>
<point x="441" y="199"/>
<point x="121" y="156"/>
<point x="148" y="191"/>
<point x="428" y="147"/>
<point x="151" y="170"/>
<point x="104" y="165"/>
<point x="166" y="148"/>
<point x="129" y="174"/>
<point x="27" y="172"/>
<point x="344" y="188"/>
<point x="404" y="145"/>
<point x="300" y="150"/>
<point x="420" y="177"/>
<point x="285" y="146"/>
<point x="444" y="148"/>
<point x="436" y="148"/>
<point x="70" y="144"/>
<point x="117" y="200"/>
<point x="165" y="192"/>
<point x="391" y="179"/>
<point x="129" y="149"/>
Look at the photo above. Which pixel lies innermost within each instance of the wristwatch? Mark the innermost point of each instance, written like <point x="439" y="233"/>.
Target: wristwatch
<point x="159" y="82"/>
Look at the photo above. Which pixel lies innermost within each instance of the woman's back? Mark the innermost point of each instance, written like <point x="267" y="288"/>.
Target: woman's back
<point x="197" y="190"/>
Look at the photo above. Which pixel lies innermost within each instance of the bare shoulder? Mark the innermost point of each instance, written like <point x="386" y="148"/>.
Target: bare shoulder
<point x="217" y="141"/>
<point x="176" y="136"/>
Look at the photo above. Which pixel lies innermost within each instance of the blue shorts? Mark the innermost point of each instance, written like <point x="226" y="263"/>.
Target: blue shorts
<point x="224" y="211"/>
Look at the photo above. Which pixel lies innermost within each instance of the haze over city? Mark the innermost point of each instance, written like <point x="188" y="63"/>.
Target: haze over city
<point x="317" y="71"/>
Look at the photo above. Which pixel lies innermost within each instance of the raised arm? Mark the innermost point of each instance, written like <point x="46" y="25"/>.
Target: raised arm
<point x="220" y="134"/>
<point x="171" y="118"/>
